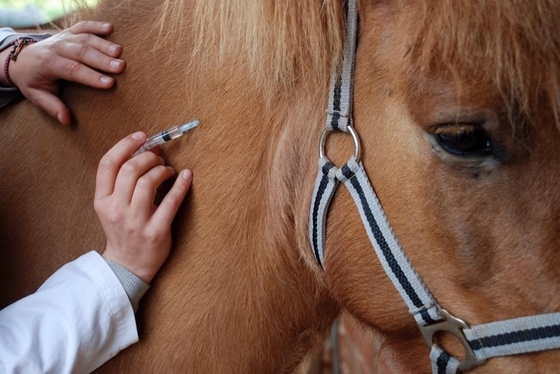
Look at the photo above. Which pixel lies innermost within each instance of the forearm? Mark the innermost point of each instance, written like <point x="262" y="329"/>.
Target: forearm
<point x="77" y="320"/>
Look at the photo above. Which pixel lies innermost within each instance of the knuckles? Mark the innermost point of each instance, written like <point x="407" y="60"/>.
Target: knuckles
<point x="154" y="234"/>
<point x="73" y="67"/>
<point x="112" y="213"/>
<point x="106" y="162"/>
<point x="146" y="182"/>
<point x="84" y="38"/>
<point x="81" y="50"/>
<point x="130" y="167"/>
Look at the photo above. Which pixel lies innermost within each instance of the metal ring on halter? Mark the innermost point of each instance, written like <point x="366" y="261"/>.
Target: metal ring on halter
<point x="454" y="326"/>
<point x="352" y="132"/>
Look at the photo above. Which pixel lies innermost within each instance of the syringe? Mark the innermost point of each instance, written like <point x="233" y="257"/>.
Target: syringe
<point x="165" y="136"/>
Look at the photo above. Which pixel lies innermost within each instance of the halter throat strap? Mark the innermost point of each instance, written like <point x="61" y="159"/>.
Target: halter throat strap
<point x="508" y="337"/>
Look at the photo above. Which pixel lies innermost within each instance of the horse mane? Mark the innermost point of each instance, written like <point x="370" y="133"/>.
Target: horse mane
<point x="513" y="45"/>
<point x="284" y="42"/>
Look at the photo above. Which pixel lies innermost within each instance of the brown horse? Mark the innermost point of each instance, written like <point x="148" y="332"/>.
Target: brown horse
<point x="456" y="105"/>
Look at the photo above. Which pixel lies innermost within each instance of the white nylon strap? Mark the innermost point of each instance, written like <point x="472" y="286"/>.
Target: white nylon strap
<point x="325" y="186"/>
<point x="514" y="336"/>
<point x="339" y="110"/>
<point x="396" y="264"/>
<point x="442" y="362"/>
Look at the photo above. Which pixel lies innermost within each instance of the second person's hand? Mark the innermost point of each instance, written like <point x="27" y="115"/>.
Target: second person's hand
<point x="77" y="54"/>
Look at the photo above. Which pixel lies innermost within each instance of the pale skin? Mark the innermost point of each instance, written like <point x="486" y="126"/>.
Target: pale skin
<point x="138" y="232"/>
<point x="78" y="54"/>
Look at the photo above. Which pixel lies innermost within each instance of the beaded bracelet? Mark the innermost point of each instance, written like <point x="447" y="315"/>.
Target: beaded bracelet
<point x="18" y="45"/>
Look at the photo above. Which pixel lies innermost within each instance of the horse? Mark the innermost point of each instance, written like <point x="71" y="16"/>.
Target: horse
<point x="456" y="108"/>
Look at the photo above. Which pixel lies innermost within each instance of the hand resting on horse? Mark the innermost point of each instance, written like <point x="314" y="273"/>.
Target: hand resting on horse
<point x="77" y="54"/>
<point x="83" y="315"/>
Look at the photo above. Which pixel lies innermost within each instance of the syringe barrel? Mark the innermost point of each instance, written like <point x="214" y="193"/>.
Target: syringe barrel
<point x="166" y="136"/>
<point x="163" y="137"/>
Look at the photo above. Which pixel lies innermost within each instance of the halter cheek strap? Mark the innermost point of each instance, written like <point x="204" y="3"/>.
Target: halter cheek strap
<point x="514" y="336"/>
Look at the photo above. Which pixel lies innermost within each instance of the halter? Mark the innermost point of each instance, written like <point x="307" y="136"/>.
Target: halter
<point x="508" y="337"/>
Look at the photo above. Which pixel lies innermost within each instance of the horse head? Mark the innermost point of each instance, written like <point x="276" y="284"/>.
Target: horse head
<point x="456" y="107"/>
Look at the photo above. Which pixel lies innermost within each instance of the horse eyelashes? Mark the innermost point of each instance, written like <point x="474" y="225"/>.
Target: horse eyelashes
<point x="464" y="140"/>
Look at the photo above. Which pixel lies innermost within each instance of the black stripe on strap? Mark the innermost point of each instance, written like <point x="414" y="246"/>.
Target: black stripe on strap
<point x="442" y="361"/>
<point x="315" y="215"/>
<point x="337" y="92"/>
<point x="385" y="249"/>
<point x="513" y="337"/>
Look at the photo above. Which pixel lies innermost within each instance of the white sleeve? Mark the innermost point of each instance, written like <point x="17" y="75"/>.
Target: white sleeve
<point x="5" y="32"/>
<point x="78" y="319"/>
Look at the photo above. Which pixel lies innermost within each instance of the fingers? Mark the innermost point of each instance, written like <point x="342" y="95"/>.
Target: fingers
<point x="130" y="174"/>
<point x="146" y="189"/>
<point x="170" y="204"/>
<point x="93" y="27"/>
<point x="79" y="53"/>
<point x="85" y="33"/>
<point x="112" y="161"/>
<point x="93" y="51"/>
<point x="134" y="182"/>
<point x="79" y="72"/>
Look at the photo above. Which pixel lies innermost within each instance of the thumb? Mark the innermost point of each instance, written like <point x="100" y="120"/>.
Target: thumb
<point x="51" y="104"/>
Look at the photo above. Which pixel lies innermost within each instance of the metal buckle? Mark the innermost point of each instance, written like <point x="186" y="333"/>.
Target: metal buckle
<point x="352" y="132"/>
<point x="453" y="326"/>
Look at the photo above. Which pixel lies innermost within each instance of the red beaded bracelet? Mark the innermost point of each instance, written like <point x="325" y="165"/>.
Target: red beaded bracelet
<point x="18" y="45"/>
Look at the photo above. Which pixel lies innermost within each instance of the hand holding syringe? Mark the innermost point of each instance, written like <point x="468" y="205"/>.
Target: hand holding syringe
<point x="166" y="136"/>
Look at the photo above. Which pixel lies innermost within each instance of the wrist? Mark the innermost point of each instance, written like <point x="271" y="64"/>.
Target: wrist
<point x="10" y="59"/>
<point x="134" y="265"/>
<point x="134" y="287"/>
<point x="3" y="56"/>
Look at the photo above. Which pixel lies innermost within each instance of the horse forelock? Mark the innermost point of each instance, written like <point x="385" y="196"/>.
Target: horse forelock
<point x="513" y="45"/>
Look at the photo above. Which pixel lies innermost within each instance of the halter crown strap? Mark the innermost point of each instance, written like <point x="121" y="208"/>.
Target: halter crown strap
<point x="520" y="335"/>
<point x="339" y="111"/>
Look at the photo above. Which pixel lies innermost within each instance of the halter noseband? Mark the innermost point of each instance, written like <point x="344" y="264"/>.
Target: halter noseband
<point x="508" y="337"/>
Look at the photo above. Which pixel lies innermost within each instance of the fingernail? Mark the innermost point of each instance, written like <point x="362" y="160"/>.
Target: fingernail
<point x="113" y="48"/>
<point x="186" y="174"/>
<point x="106" y="25"/>
<point x="115" y="64"/>
<point x="138" y="135"/>
<point x="105" y="80"/>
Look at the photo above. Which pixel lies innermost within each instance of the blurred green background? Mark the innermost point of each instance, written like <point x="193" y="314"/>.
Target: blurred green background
<point x="51" y="9"/>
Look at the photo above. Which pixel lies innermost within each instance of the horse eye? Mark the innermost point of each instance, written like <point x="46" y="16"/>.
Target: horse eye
<point x="464" y="140"/>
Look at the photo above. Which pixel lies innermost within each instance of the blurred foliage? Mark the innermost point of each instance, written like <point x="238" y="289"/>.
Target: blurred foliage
<point x="52" y="8"/>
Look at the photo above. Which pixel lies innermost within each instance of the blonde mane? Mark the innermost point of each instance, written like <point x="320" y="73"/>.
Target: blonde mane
<point x="513" y="45"/>
<point x="283" y="42"/>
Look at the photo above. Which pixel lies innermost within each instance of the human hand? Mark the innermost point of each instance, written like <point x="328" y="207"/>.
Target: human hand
<point x="74" y="55"/>
<point x="138" y="232"/>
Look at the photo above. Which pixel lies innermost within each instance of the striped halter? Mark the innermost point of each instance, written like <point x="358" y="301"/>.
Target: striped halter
<point x="508" y="337"/>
